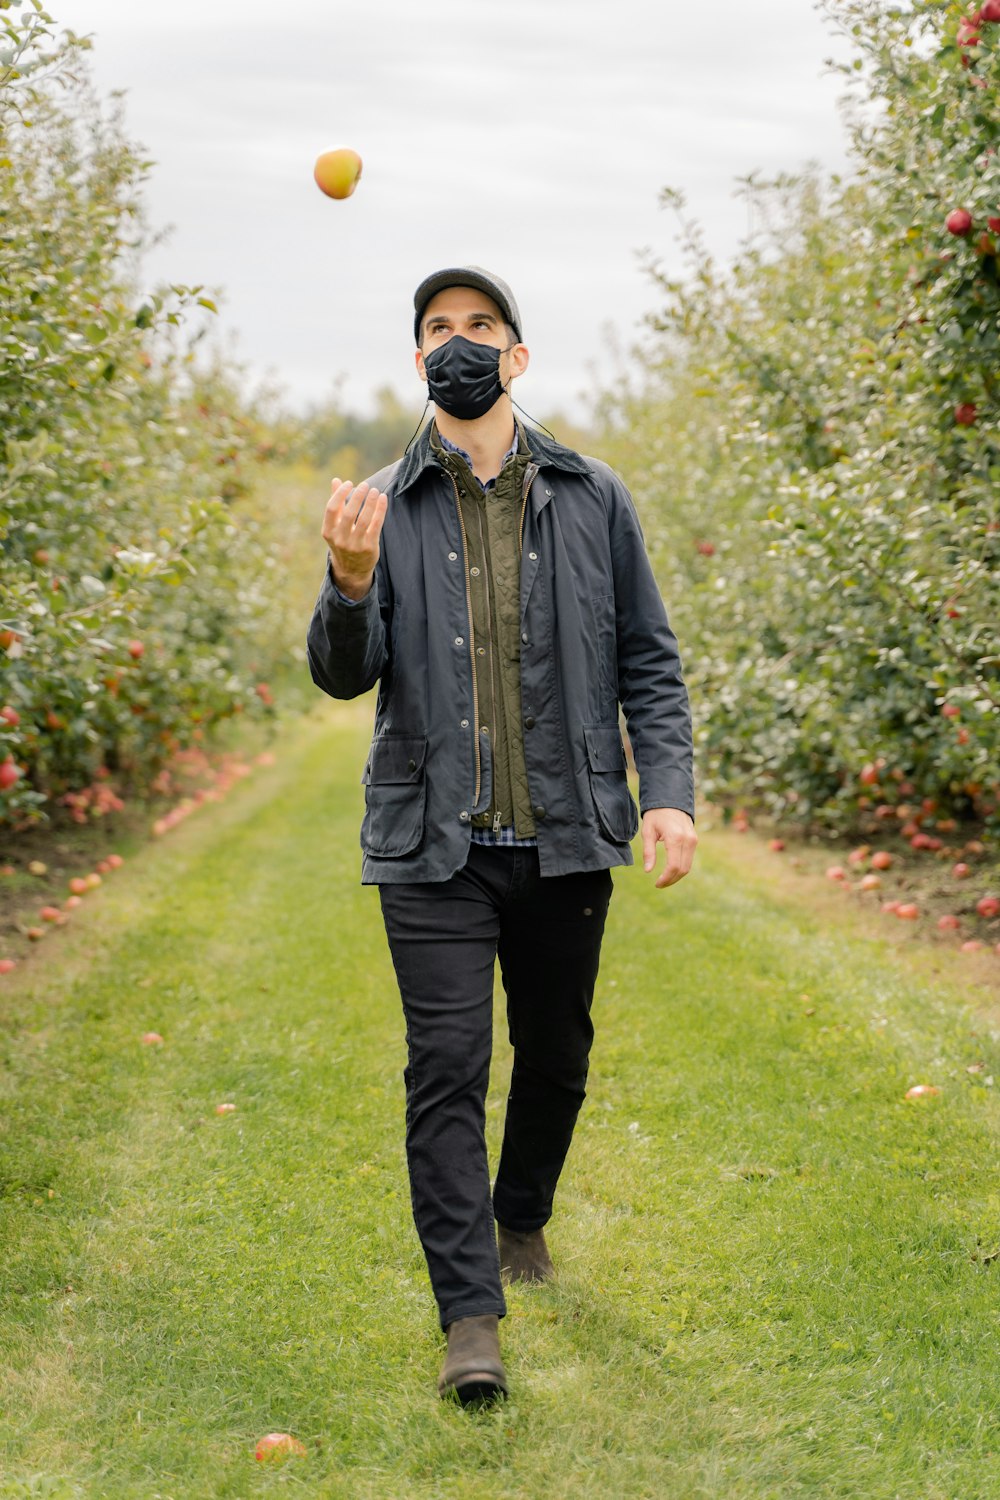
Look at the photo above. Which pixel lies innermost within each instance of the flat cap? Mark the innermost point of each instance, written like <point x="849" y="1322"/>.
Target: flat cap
<point x="474" y="276"/>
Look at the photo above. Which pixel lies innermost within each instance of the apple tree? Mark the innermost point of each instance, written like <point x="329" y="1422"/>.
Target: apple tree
<point x="813" y="440"/>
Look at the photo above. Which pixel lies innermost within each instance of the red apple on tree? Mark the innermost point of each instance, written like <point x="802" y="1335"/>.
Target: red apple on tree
<point x="10" y="773"/>
<point x="989" y="906"/>
<point x="959" y="221"/>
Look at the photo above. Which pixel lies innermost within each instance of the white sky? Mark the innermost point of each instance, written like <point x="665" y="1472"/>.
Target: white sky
<point x="532" y="137"/>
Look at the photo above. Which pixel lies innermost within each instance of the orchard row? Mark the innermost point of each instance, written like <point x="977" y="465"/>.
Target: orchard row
<point x="140" y="601"/>
<point x="814" y="446"/>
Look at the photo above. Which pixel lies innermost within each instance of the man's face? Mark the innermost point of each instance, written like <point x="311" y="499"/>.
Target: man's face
<point x="462" y="309"/>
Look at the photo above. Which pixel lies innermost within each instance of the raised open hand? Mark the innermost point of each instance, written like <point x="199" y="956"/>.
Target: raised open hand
<point x="352" y="525"/>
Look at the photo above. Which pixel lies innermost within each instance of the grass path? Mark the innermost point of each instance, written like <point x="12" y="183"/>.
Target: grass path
<point x="774" y="1272"/>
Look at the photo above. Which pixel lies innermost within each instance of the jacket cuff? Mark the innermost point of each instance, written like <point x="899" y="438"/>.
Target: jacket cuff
<point x="666" y="788"/>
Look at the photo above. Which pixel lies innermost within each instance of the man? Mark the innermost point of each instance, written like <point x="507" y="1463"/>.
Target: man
<point x="496" y="586"/>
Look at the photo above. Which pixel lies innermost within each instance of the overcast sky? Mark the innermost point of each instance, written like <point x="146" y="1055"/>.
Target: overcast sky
<point x="532" y="137"/>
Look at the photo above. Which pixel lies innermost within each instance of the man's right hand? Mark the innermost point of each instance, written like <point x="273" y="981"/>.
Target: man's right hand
<point x="352" y="526"/>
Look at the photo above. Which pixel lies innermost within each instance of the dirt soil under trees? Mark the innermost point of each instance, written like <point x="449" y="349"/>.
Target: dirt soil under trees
<point x="959" y="882"/>
<point x="37" y="865"/>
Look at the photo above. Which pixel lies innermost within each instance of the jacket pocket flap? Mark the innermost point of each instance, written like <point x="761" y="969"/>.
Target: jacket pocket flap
<point x="605" y="750"/>
<point x="395" y="759"/>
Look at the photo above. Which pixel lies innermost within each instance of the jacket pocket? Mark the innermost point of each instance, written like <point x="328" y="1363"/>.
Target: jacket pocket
<point x="395" y="795"/>
<point x="616" y="808"/>
<point x="602" y="608"/>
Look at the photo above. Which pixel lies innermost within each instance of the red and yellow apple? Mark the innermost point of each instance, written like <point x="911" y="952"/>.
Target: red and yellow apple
<point x="338" y="171"/>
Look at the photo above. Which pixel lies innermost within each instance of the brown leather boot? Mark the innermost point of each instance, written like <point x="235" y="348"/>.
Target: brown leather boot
<point x="524" y="1257"/>
<point x="473" y="1369"/>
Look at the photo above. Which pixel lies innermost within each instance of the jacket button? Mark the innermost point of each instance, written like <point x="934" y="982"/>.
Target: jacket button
<point x="533" y="556"/>
<point x="464" y="724"/>
<point x="524" y="638"/>
<point x="529" y="722"/>
<point x="464" y="817"/>
<point x="411" y="765"/>
<point x="460" y="640"/>
<point x="539" y="812"/>
<point x="453" y="557"/>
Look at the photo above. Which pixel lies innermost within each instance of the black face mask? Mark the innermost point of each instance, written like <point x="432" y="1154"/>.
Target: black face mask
<point x="463" y="378"/>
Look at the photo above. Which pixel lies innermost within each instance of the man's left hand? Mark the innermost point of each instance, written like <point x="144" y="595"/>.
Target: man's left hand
<point x="675" y="830"/>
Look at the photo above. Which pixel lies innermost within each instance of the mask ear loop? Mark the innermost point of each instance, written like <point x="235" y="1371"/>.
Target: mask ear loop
<point x="418" y="426"/>
<point x="533" y="420"/>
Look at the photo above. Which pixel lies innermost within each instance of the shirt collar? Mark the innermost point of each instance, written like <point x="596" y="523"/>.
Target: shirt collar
<point x="451" y="447"/>
<point x="544" y="452"/>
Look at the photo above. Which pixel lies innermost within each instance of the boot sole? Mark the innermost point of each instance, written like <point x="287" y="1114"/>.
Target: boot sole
<point x="478" y="1388"/>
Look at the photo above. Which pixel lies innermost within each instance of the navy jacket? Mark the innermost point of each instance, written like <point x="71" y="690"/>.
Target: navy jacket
<point x="594" y="634"/>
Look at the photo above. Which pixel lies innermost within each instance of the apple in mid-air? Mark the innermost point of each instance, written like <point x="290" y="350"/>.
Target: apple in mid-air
<point x="338" y="171"/>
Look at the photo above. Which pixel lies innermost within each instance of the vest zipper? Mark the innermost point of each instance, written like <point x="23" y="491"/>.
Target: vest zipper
<point x="493" y="686"/>
<point x="472" y="638"/>
<point x="530" y="474"/>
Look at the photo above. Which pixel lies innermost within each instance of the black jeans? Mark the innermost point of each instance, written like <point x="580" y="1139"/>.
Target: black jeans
<point x="445" y="937"/>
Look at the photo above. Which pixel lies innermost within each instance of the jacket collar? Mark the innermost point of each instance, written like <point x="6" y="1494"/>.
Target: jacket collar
<point x="545" y="452"/>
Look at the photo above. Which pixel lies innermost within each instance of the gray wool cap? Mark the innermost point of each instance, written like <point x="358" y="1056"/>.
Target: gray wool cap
<point x="474" y="276"/>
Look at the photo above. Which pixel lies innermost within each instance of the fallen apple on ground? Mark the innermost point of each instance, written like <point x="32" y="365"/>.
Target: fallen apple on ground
<point x="277" y="1446"/>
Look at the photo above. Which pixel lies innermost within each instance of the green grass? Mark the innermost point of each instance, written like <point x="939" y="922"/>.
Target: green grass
<point x="773" y="1272"/>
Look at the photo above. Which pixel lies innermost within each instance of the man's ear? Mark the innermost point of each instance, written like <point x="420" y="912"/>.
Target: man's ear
<point x="420" y="366"/>
<point x="519" y="358"/>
